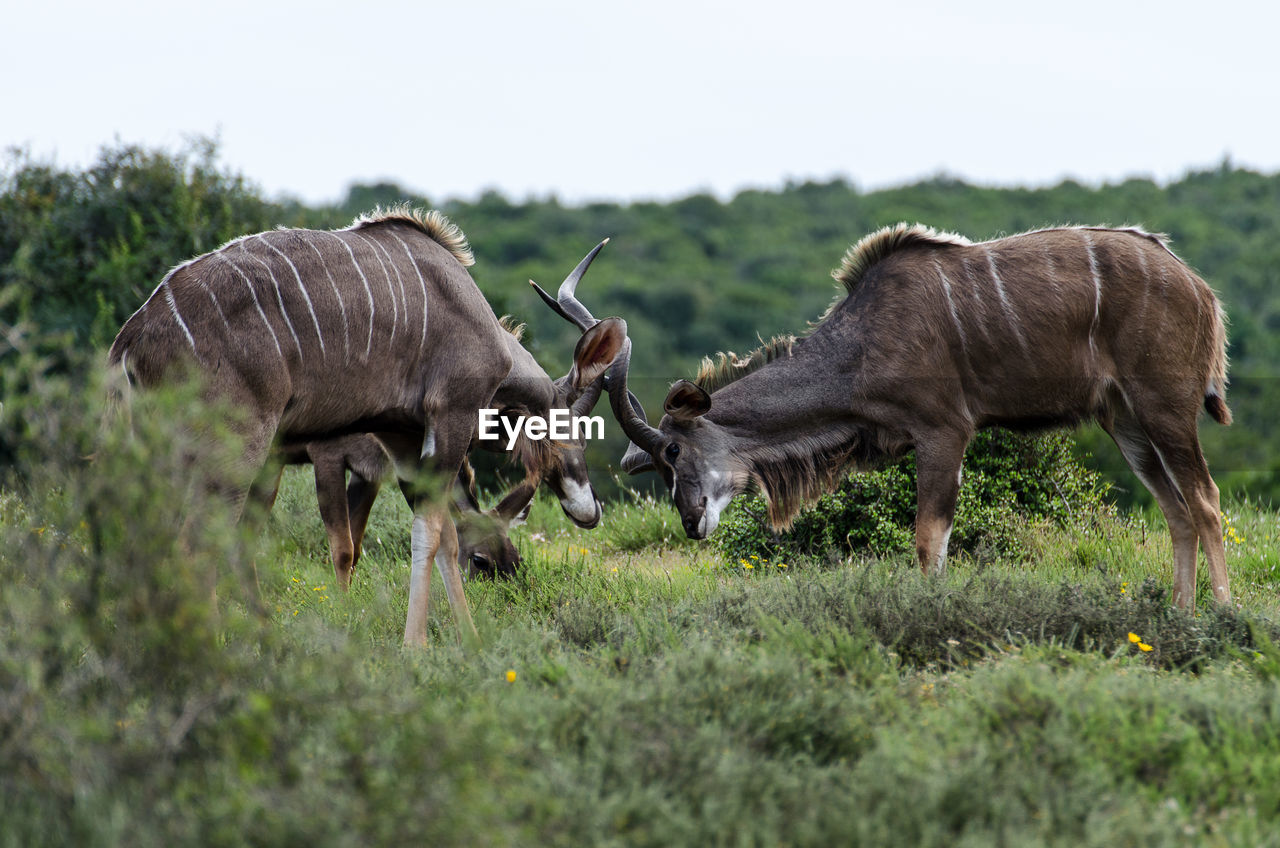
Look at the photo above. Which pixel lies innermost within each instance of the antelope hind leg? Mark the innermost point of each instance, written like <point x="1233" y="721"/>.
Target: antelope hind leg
<point x="361" y="494"/>
<point x="1174" y="436"/>
<point x="1144" y="461"/>
<point x="1191" y="474"/>
<point x="331" y="495"/>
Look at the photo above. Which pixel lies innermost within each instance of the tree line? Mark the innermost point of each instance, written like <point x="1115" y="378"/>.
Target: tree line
<point x="80" y="249"/>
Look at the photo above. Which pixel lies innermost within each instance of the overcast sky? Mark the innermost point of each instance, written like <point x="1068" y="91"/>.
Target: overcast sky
<point x="622" y="101"/>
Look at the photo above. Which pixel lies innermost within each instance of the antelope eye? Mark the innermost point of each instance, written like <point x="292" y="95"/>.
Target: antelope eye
<point x="672" y="451"/>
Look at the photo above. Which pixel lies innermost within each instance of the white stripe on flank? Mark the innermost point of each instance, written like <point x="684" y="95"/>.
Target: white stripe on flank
<point x="214" y="298"/>
<point x="305" y="295"/>
<point x="1004" y="298"/>
<point x="395" y="310"/>
<point x="955" y="314"/>
<point x="249" y="284"/>
<point x="368" y="345"/>
<point x="422" y="341"/>
<point x="404" y="297"/>
<point x="1146" y="294"/>
<point x="1052" y="276"/>
<point x="279" y="297"/>
<point x="980" y="312"/>
<point x="173" y="307"/>
<point x="346" y="327"/>
<point x="1097" y="290"/>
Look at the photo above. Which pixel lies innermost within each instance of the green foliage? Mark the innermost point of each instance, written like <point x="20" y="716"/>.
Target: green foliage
<point x="137" y="711"/>
<point x="84" y="249"/>
<point x="636" y="521"/>
<point x="1011" y="483"/>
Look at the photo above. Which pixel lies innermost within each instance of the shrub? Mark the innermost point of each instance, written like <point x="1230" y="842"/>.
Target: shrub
<point x="133" y="710"/>
<point x="1011" y="482"/>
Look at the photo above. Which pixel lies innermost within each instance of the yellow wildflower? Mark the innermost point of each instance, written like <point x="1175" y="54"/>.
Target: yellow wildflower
<point x="1143" y="646"/>
<point x="1135" y="638"/>
<point x="511" y="675"/>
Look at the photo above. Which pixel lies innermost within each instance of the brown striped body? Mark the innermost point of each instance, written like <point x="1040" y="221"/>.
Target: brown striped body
<point x="1034" y="329"/>
<point x="328" y="330"/>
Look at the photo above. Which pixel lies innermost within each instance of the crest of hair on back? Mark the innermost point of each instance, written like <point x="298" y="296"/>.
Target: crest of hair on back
<point x="874" y="247"/>
<point x="441" y="230"/>
<point x="512" y="326"/>
<point x="717" y="373"/>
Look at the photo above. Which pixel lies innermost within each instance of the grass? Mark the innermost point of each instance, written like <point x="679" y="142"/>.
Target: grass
<point x="634" y="688"/>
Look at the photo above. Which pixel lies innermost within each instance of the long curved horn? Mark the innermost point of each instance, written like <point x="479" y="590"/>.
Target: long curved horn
<point x="632" y="417"/>
<point x="567" y="306"/>
<point x="625" y="406"/>
<point x="589" y="397"/>
<point x="636" y="459"/>
<point x="565" y="303"/>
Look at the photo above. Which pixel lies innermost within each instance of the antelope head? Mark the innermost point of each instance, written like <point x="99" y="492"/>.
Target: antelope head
<point x="484" y="542"/>
<point x="561" y="463"/>
<point x="691" y="453"/>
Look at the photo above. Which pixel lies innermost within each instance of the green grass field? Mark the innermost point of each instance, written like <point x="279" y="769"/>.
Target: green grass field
<point x="632" y="688"/>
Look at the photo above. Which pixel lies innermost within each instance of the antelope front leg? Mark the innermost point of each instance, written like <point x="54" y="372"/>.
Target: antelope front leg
<point x="425" y="539"/>
<point x="938" y="464"/>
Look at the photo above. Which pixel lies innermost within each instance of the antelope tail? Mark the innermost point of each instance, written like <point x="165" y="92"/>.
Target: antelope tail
<point x="1215" y="401"/>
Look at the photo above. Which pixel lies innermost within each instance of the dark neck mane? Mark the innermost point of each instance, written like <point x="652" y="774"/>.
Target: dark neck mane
<point x="794" y="474"/>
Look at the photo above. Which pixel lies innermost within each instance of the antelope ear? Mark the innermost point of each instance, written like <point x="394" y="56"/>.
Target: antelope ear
<point x="596" y="351"/>
<point x="687" y="401"/>
<point x="514" y="508"/>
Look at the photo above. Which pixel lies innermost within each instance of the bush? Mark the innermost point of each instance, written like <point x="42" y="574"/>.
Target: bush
<point x="133" y="709"/>
<point x="83" y="248"/>
<point x="1011" y="482"/>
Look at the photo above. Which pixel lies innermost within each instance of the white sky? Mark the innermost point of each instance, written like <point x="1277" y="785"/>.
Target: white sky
<point x="654" y="99"/>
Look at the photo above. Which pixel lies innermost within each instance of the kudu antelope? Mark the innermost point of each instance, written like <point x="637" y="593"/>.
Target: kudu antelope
<point x="484" y="547"/>
<point x="376" y="328"/>
<point x="936" y="337"/>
